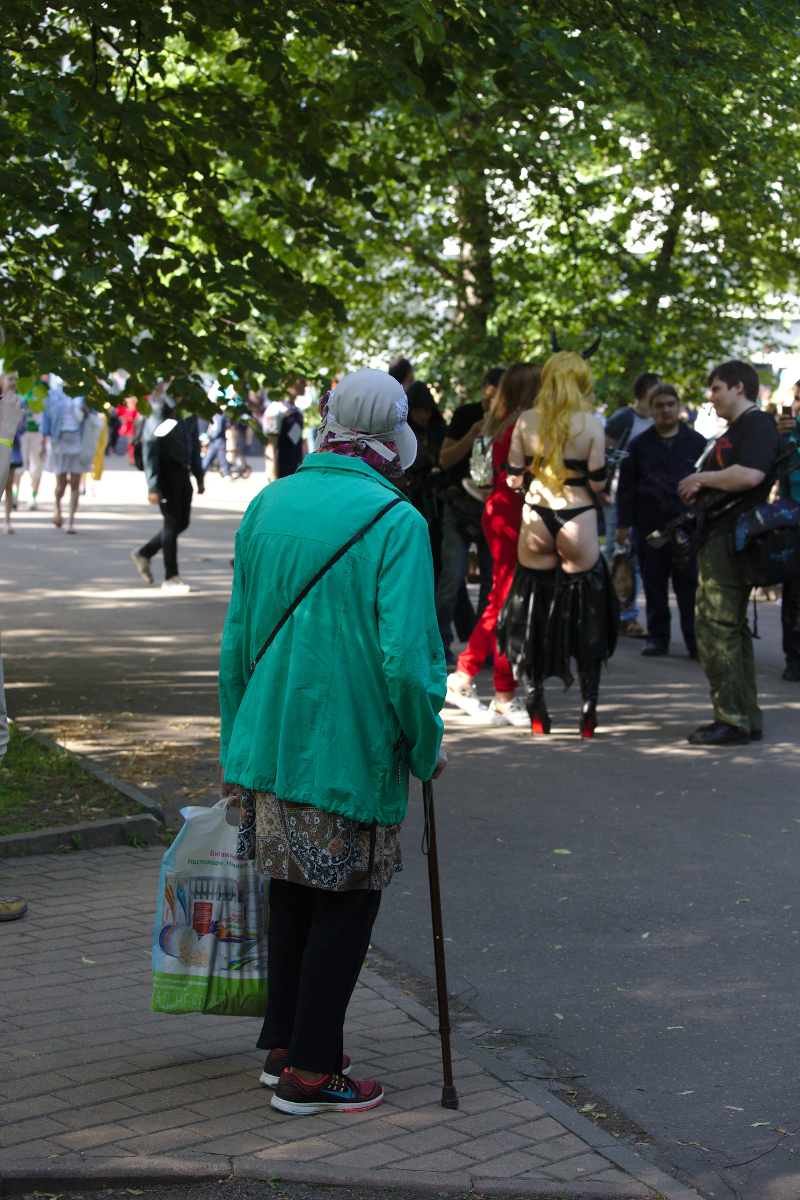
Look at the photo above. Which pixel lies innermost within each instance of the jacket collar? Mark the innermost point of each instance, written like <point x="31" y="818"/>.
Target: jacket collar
<point x="683" y="430"/>
<point x="339" y="462"/>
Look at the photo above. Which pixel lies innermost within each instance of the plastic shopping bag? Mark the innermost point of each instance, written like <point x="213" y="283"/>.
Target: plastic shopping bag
<point x="210" y="941"/>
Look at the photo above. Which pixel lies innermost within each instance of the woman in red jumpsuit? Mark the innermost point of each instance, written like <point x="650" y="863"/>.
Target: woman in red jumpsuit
<point x="502" y="518"/>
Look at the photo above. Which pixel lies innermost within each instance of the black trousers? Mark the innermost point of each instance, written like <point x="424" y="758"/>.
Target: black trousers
<point x="316" y="945"/>
<point x="657" y="566"/>
<point x="175" y="486"/>
<point x="790" y="620"/>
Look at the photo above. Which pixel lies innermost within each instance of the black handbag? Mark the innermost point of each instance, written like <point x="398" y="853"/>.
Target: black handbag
<point x="467" y="513"/>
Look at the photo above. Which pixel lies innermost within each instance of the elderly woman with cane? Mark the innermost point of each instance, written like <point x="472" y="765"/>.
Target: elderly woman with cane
<point x="331" y="680"/>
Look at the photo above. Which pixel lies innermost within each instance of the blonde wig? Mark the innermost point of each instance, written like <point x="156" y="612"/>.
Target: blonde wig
<point x="567" y="388"/>
<point x="516" y="392"/>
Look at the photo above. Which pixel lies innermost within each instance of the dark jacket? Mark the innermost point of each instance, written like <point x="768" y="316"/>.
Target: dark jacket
<point x="180" y="444"/>
<point x="647" y="496"/>
<point x="422" y="480"/>
<point x="219" y="426"/>
<point x="790" y="483"/>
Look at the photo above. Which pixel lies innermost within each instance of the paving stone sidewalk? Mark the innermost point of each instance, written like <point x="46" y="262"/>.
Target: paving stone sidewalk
<point x="96" y="1087"/>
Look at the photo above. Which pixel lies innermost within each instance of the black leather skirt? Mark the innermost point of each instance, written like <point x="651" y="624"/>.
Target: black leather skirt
<point x="550" y="618"/>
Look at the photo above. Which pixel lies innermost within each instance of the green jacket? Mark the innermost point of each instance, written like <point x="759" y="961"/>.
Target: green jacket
<point x="346" y="699"/>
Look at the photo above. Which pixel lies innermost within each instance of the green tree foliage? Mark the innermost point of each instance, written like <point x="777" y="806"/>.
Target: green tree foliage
<point x="133" y="138"/>
<point x="199" y="185"/>
<point x="639" y="180"/>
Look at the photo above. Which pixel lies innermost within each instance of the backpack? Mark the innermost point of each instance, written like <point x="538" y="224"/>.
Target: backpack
<point x="766" y="542"/>
<point x="136" y="443"/>
<point x="481" y="467"/>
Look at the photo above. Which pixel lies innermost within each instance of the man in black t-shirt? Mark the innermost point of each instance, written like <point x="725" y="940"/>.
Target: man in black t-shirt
<point x="461" y="521"/>
<point x="738" y="461"/>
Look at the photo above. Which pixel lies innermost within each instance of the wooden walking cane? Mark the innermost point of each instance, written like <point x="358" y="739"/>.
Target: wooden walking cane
<point x="449" y="1094"/>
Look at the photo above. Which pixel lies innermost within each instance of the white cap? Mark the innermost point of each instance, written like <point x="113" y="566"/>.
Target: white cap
<point x="372" y="406"/>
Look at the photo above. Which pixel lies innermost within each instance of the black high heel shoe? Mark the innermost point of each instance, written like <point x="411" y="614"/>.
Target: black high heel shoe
<point x="588" y="720"/>
<point x="589" y="679"/>
<point x="537" y="711"/>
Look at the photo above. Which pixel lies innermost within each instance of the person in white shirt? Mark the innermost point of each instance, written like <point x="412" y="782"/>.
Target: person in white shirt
<point x="32" y="452"/>
<point x="8" y="387"/>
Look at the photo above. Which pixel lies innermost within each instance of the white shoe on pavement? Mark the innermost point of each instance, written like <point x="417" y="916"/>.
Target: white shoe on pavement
<point x="465" y="697"/>
<point x="32" y="504"/>
<point x="511" y="712"/>
<point x="142" y="565"/>
<point x="175" y="586"/>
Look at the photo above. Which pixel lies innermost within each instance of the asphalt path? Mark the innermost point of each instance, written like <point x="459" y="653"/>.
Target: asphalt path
<point x="626" y="907"/>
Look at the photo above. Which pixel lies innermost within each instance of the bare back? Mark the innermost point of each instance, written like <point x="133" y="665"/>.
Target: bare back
<point x="586" y="443"/>
<point x="575" y="539"/>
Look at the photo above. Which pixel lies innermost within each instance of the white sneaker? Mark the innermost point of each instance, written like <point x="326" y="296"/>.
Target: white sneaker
<point x="464" y="696"/>
<point x="32" y="504"/>
<point x="511" y="712"/>
<point x="175" y="586"/>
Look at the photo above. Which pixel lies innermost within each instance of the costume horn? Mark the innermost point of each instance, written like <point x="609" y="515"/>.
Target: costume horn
<point x="554" y="342"/>
<point x="594" y="346"/>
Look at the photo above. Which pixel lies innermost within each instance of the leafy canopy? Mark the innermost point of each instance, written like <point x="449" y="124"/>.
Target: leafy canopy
<point x="206" y="186"/>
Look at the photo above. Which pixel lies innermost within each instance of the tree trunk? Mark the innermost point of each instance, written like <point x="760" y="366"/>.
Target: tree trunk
<point x="643" y="357"/>
<point x="476" y="293"/>
<point x="473" y="349"/>
<point x="662" y="268"/>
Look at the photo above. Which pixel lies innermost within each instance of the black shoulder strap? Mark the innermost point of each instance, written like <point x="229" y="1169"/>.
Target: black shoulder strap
<point x="312" y="583"/>
<point x="626" y="434"/>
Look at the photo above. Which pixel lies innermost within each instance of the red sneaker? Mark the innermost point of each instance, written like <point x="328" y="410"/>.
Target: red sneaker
<point x="278" y="1061"/>
<point x="333" y="1093"/>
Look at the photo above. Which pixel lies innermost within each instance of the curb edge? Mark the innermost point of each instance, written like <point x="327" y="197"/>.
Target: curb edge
<point x="621" y="1156"/>
<point x="127" y="789"/>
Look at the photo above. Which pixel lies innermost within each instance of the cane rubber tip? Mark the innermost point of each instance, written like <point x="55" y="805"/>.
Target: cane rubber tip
<point x="449" y="1097"/>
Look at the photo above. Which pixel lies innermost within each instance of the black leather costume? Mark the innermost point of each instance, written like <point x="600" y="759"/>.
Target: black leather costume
<point x="551" y="617"/>
<point x="556" y="518"/>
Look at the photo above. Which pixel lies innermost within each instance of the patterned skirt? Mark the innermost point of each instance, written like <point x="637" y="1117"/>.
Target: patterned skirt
<point x="303" y="844"/>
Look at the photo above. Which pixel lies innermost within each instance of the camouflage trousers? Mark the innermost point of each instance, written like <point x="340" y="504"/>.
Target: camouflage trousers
<point x="724" y="638"/>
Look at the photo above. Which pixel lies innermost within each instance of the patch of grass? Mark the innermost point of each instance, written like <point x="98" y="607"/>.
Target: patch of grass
<point x="41" y="788"/>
